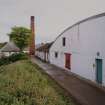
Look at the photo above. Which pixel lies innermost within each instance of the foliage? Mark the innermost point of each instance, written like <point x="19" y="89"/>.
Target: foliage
<point x="20" y="36"/>
<point x="2" y="44"/>
<point x="22" y="83"/>
<point x="17" y="56"/>
<point x="12" y="58"/>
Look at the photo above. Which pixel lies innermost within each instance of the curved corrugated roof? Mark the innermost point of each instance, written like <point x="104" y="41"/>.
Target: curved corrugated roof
<point x="84" y="20"/>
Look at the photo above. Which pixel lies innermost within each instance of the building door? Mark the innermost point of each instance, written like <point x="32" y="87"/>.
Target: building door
<point x="68" y="60"/>
<point x="99" y="71"/>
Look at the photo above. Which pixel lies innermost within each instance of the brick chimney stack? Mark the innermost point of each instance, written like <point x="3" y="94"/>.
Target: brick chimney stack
<point x="32" y="37"/>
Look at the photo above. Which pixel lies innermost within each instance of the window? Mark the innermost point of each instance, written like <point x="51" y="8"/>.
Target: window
<point x="56" y="54"/>
<point x="63" y="41"/>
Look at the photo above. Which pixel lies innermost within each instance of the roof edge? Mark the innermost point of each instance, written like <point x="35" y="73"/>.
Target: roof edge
<point x="79" y="22"/>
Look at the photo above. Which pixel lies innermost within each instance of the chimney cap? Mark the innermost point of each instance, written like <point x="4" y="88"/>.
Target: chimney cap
<point x="32" y="17"/>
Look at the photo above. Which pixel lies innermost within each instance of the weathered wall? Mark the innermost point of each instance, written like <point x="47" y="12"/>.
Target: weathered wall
<point x="83" y="41"/>
<point x="41" y="55"/>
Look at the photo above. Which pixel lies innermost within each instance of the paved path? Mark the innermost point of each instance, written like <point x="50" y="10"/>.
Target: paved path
<point x="84" y="93"/>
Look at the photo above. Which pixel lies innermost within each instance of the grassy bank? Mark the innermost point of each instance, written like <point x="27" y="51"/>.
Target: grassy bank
<point x="22" y="83"/>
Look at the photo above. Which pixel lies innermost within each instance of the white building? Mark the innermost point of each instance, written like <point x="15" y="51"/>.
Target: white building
<point x="81" y="49"/>
<point x="9" y="49"/>
<point x="42" y="51"/>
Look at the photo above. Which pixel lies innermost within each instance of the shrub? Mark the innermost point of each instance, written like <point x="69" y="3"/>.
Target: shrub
<point x="12" y="58"/>
<point x="20" y="56"/>
<point x="4" y="60"/>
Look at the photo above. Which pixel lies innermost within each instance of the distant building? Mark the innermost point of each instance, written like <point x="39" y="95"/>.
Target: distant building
<point x="81" y="49"/>
<point x="42" y="51"/>
<point x="26" y="50"/>
<point x="9" y="49"/>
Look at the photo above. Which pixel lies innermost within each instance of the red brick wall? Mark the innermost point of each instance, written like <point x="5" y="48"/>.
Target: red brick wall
<point x="32" y="37"/>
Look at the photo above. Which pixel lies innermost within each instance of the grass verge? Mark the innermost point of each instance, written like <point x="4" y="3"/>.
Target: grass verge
<point x="22" y="83"/>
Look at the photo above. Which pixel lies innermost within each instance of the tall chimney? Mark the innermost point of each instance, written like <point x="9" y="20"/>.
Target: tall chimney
<point x="32" y="37"/>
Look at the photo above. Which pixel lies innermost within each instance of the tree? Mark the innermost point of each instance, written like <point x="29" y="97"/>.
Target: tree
<point x="20" y="36"/>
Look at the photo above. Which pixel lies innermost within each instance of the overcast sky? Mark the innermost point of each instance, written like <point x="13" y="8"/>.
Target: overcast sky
<point x="51" y="16"/>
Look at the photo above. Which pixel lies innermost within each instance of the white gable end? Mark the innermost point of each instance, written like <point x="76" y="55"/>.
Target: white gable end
<point x="85" y="42"/>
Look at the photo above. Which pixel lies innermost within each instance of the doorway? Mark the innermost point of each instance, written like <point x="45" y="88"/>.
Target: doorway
<point x="99" y="71"/>
<point x="68" y="60"/>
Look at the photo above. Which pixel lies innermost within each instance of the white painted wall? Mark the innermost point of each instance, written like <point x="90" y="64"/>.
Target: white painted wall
<point x="41" y="55"/>
<point x="57" y="47"/>
<point x="83" y="41"/>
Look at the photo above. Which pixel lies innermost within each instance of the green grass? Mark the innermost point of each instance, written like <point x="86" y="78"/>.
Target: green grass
<point x="23" y="83"/>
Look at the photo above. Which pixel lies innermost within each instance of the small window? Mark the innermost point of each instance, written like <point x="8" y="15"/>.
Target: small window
<point x="56" y="54"/>
<point x="64" y="41"/>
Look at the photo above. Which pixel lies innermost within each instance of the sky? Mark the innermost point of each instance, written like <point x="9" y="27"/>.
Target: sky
<point x="51" y="16"/>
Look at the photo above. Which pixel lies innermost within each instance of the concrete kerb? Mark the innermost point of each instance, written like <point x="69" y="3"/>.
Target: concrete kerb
<point x="89" y="82"/>
<point x="77" y="101"/>
<point x="54" y="73"/>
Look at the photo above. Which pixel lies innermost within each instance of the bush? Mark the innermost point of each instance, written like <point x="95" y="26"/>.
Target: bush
<point x="12" y="58"/>
<point x="4" y="60"/>
<point x="19" y="56"/>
